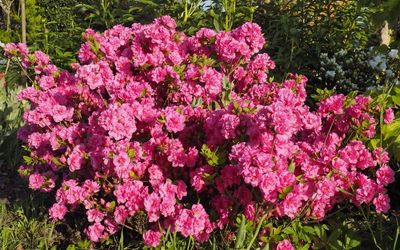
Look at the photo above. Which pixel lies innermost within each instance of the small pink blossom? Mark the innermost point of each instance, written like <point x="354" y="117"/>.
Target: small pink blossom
<point x="175" y="122"/>
<point x="152" y="238"/>
<point x="36" y="181"/>
<point x="95" y="215"/>
<point x="385" y="175"/>
<point x="57" y="211"/>
<point x="382" y="203"/>
<point x="284" y="245"/>
<point x="388" y="116"/>
<point x="95" y="232"/>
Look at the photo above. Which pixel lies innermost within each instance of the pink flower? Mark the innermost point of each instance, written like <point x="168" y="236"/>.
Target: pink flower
<point x="85" y="53"/>
<point x="193" y="222"/>
<point x="332" y="104"/>
<point x="199" y="177"/>
<point x="312" y="121"/>
<point x="46" y="82"/>
<point x="120" y="214"/>
<point x="119" y="121"/>
<point x="381" y="156"/>
<point x="366" y="191"/>
<point x="41" y="58"/>
<point x="95" y="232"/>
<point x="152" y="205"/>
<point x="151" y="238"/>
<point x="121" y="160"/>
<point x="57" y="211"/>
<point x="284" y="245"/>
<point x="385" y="175"/>
<point x="76" y="158"/>
<point x="95" y="215"/>
<point x="388" y="116"/>
<point x="36" y="181"/>
<point x="181" y="190"/>
<point x="166" y="21"/>
<point x="250" y="211"/>
<point x="60" y="112"/>
<point x="228" y="125"/>
<point x="22" y="49"/>
<point x="212" y="80"/>
<point x="382" y="203"/>
<point x="96" y="74"/>
<point x="175" y="122"/>
<point x="10" y="49"/>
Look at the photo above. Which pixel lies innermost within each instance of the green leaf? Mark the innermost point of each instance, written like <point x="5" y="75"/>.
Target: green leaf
<point x="374" y="143"/>
<point x="354" y="243"/>
<point x="391" y="130"/>
<point x="56" y="161"/>
<point x="396" y="90"/>
<point x="214" y="106"/>
<point x="241" y="235"/>
<point x="226" y="91"/>
<point x="396" y="147"/>
<point x="396" y="99"/>
<point x="345" y="192"/>
<point x="334" y="236"/>
<point x="285" y="191"/>
<point x="309" y="230"/>
<point x="148" y="2"/>
<point x="291" y="167"/>
<point x="214" y="158"/>
<point x="216" y="23"/>
<point x="71" y="247"/>
<point x="322" y="94"/>
<point x="197" y="102"/>
<point x="305" y="247"/>
<point x="28" y="160"/>
<point x="112" y="205"/>
<point x="289" y="230"/>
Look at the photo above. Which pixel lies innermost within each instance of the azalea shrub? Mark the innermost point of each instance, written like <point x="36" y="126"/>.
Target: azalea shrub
<point x="189" y="132"/>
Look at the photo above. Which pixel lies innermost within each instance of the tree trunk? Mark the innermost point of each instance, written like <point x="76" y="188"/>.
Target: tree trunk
<point x="385" y="34"/>
<point x="8" y="22"/>
<point x="23" y="21"/>
<point x="6" y="6"/>
<point x="23" y="34"/>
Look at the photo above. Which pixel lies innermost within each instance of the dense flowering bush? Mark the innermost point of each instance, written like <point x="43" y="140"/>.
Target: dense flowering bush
<point x="190" y="132"/>
<point x="360" y="68"/>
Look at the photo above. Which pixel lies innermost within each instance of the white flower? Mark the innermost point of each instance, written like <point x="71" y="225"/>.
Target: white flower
<point x="394" y="53"/>
<point x="378" y="62"/>
<point x="324" y="55"/>
<point x="330" y="73"/>
<point x="341" y="52"/>
<point x="372" y="63"/>
<point x="382" y="66"/>
<point x="2" y="44"/>
<point x="374" y="87"/>
<point x="389" y="73"/>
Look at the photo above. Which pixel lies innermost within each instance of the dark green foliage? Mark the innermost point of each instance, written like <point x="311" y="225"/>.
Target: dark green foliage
<point x="297" y="32"/>
<point x="61" y="38"/>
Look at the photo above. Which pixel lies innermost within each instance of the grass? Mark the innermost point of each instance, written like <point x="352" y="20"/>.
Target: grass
<point x="21" y="231"/>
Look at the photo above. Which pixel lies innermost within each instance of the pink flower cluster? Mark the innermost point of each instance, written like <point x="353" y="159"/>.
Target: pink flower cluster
<point x="189" y="131"/>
